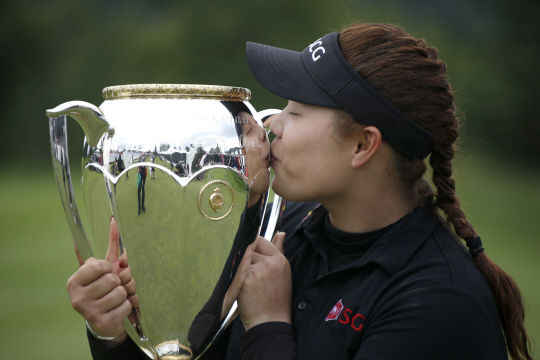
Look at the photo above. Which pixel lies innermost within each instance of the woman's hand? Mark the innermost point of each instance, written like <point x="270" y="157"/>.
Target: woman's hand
<point x="266" y="285"/>
<point x="130" y="286"/>
<point x="99" y="291"/>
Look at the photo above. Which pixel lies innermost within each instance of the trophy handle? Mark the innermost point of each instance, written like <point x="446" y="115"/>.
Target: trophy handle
<point x="271" y="228"/>
<point x="94" y="125"/>
<point x="274" y="217"/>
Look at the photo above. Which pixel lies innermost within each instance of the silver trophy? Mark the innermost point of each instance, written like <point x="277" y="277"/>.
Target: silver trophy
<point x="185" y="171"/>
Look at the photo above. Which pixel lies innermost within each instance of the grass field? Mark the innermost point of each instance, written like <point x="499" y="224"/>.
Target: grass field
<point x="36" y="257"/>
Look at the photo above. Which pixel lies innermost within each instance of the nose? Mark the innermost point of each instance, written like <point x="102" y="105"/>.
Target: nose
<point x="277" y="125"/>
<point x="262" y="134"/>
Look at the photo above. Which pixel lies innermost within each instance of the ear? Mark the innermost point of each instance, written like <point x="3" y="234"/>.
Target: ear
<point x="367" y="144"/>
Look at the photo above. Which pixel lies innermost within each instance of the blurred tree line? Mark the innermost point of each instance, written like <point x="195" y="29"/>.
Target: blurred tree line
<point x="55" y="51"/>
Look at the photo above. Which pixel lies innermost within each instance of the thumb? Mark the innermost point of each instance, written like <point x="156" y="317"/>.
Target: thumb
<point x="79" y="257"/>
<point x="114" y="235"/>
<point x="278" y="239"/>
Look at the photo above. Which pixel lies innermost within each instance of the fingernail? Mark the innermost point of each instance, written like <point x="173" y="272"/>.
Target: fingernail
<point x="121" y="265"/>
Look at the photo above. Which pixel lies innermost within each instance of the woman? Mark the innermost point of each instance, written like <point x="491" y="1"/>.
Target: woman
<point x="374" y="271"/>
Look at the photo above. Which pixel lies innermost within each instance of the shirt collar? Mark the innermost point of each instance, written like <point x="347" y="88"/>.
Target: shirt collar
<point x="393" y="249"/>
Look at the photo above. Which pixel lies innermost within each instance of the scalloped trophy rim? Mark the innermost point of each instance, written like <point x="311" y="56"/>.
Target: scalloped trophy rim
<point x="183" y="182"/>
<point x="176" y="91"/>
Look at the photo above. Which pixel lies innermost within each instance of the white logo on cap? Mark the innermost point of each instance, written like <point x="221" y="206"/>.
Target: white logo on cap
<point x="319" y="47"/>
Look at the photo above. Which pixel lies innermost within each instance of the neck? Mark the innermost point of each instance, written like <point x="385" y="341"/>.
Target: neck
<point x="370" y="208"/>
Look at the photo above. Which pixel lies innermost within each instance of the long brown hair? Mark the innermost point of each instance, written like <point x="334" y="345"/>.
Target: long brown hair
<point x="409" y="74"/>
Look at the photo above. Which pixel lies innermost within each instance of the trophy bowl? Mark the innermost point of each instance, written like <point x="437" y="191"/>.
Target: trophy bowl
<point x="184" y="170"/>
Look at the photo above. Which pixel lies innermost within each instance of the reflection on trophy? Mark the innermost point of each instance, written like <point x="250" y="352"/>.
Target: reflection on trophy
<point x="185" y="231"/>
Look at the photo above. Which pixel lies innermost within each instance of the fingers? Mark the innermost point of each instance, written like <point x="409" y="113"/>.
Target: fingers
<point x="265" y="247"/>
<point x="240" y="275"/>
<point x="111" y="322"/>
<point x="131" y="287"/>
<point x="103" y="302"/>
<point x="134" y="300"/>
<point x="278" y="240"/>
<point x="102" y="286"/>
<point x="121" y="311"/>
<point x="91" y="271"/>
<point x="133" y="317"/>
<point x="79" y="257"/>
<point x="124" y="259"/>
<point x="129" y="284"/>
<point x="232" y="292"/>
<point x="103" y="291"/>
<point x="113" y="299"/>
<point x="125" y="276"/>
<point x="114" y="235"/>
<point x="267" y="286"/>
<point x="267" y="263"/>
<point x="257" y="258"/>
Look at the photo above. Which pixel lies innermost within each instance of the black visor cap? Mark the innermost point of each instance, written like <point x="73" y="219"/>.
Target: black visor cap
<point x="321" y="76"/>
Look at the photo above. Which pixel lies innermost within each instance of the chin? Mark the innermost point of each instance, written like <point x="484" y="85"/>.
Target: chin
<point x="262" y="182"/>
<point x="286" y="193"/>
<point x="298" y="192"/>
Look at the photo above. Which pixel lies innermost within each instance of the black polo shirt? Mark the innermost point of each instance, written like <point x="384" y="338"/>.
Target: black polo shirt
<point x="415" y="294"/>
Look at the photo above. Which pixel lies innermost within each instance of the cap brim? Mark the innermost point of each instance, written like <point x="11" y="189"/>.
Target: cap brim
<point x="283" y="73"/>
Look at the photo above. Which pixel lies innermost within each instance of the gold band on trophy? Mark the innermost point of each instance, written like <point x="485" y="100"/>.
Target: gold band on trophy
<point x="176" y="91"/>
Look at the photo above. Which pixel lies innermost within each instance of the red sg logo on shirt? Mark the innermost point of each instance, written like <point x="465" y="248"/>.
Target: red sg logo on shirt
<point x="335" y="312"/>
<point x="345" y="316"/>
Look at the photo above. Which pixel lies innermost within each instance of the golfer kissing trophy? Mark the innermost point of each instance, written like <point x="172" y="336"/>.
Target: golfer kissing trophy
<point x="184" y="171"/>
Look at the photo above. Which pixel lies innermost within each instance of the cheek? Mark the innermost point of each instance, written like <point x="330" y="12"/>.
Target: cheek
<point x="295" y="155"/>
<point x="297" y="167"/>
<point x="312" y="168"/>
<point x="252" y="144"/>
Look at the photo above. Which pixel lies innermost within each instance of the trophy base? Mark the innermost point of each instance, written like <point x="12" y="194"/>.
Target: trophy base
<point x="173" y="350"/>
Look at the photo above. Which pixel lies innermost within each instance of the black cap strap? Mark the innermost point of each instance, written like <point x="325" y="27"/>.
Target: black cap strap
<point x="327" y="66"/>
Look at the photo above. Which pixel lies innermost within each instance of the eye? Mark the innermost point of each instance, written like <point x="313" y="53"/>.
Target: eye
<point x="293" y="114"/>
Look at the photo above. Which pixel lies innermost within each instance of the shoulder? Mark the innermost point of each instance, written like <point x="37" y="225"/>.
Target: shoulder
<point x="440" y="295"/>
<point x="443" y="258"/>
<point x="432" y="266"/>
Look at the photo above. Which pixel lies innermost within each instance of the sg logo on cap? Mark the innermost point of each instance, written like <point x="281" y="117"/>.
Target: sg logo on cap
<point x="319" y="47"/>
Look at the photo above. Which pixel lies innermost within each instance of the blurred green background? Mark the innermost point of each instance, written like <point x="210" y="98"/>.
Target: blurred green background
<point x="55" y="51"/>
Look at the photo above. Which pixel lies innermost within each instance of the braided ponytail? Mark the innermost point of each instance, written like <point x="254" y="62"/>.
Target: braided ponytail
<point x="408" y="74"/>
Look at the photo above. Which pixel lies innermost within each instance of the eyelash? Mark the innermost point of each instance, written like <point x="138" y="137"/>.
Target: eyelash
<point x="291" y="113"/>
